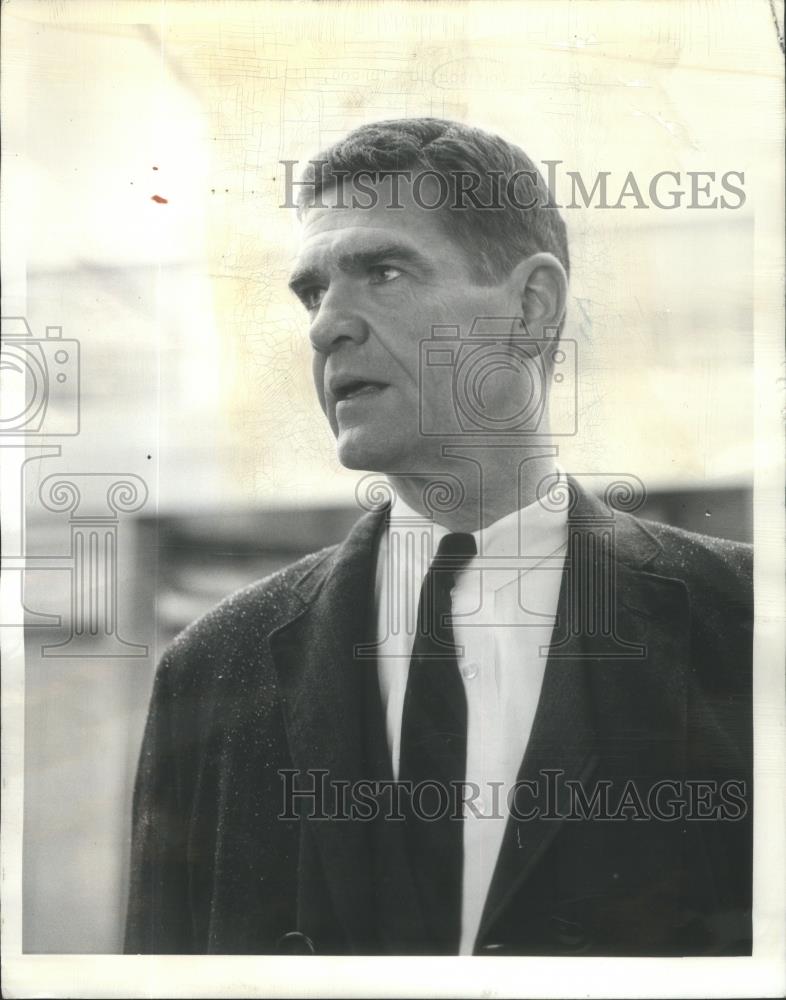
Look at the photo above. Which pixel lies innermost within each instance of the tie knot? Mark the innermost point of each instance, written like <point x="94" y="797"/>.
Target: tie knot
<point x="455" y="551"/>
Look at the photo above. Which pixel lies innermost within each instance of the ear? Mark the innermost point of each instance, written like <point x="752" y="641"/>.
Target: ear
<point x="539" y="286"/>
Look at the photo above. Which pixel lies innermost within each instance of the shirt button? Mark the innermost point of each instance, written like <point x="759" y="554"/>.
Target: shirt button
<point x="469" y="671"/>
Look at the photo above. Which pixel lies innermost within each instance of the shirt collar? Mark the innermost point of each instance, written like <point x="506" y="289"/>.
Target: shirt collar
<point x="532" y="532"/>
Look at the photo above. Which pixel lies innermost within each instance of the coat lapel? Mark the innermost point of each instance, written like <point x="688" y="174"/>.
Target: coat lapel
<point x="562" y="740"/>
<point x="322" y="699"/>
<point x="599" y="678"/>
<point x="334" y="724"/>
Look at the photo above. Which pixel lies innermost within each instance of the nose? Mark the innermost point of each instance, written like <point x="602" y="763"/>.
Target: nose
<point x="339" y="319"/>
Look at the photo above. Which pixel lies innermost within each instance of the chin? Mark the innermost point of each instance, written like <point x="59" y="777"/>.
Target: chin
<point x="360" y="451"/>
<point x="366" y="459"/>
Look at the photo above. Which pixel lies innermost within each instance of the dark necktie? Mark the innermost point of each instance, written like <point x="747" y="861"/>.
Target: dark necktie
<point x="434" y="751"/>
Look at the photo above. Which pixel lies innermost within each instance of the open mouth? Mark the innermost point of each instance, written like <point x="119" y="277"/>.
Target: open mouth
<point x="355" y="388"/>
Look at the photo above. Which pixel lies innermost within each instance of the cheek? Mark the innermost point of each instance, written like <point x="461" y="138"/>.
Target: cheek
<point x="410" y="326"/>
<point x="318" y="374"/>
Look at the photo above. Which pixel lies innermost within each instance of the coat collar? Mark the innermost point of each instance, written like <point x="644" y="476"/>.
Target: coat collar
<point x="635" y="545"/>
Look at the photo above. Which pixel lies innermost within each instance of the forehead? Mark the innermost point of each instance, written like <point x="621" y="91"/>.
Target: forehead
<point x="339" y="224"/>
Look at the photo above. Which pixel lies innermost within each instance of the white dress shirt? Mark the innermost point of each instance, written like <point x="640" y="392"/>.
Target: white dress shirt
<point x="504" y="606"/>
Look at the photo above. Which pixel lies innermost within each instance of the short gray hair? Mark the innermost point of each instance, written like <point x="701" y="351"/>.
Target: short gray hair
<point x="497" y="229"/>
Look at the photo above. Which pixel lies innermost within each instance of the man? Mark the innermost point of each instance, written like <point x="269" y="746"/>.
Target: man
<point x="502" y="717"/>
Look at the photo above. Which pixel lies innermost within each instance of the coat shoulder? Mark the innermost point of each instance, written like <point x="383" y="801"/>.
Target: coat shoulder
<point x="717" y="572"/>
<point x="242" y="622"/>
<point x="695" y="557"/>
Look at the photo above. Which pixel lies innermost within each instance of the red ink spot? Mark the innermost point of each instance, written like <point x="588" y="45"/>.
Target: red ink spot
<point x="160" y="200"/>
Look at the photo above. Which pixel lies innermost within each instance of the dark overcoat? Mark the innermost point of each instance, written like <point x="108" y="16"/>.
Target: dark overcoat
<point x="646" y="699"/>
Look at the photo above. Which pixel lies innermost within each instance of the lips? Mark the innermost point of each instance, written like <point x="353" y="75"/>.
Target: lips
<point x="347" y="387"/>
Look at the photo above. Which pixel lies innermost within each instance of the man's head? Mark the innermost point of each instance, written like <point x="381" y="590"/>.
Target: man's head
<point x="407" y="226"/>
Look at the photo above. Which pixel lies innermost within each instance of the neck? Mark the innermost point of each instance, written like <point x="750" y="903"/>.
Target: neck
<point x="489" y="489"/>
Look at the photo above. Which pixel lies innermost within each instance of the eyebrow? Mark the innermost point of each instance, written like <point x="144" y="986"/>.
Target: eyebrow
<point x="356" y="261"/>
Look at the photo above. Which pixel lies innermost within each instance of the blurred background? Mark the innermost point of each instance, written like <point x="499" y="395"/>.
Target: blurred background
<point x="143" y="180"/>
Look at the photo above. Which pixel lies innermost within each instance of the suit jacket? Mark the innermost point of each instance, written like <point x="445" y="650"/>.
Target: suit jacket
<point x="648" y="680"/>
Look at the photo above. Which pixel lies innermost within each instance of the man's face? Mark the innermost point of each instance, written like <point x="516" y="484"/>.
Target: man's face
<point x="375" y="281"/>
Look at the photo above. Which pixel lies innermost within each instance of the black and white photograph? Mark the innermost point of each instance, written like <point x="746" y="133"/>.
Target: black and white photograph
<point x="392" y="442"/>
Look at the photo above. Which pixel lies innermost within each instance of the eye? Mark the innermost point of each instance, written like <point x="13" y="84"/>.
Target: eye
<point x="311" y="297"/>
<point x="382" y="274"/>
